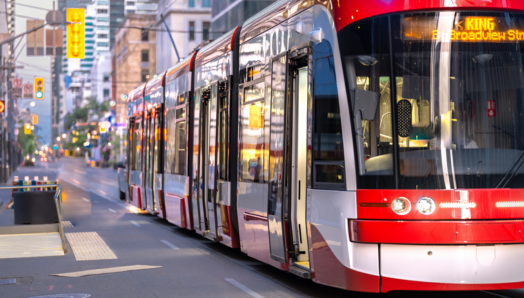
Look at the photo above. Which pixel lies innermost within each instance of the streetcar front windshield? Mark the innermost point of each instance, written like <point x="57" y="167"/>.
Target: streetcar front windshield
<point x="445" y="88"/>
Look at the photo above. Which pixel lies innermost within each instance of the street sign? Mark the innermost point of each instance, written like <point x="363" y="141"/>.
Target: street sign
<point x="27" y="129"/>
<point x="492" y="111"/>
<point x="35" y="40"/>
<point x="75" y="33"/>
<point x="17" y="92"/>
<point x="17" y="83"/>
<point x="28" y="90"/>
<point x="54" y="18"/>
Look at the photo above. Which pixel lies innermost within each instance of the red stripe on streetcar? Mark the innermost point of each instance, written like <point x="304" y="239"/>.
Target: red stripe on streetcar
<point x="436" y="232"/>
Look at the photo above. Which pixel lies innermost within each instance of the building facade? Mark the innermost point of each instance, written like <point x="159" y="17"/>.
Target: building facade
<point x="189" y="22"/>
<point x="227" y="14"/>
<point x="134" y="58"/>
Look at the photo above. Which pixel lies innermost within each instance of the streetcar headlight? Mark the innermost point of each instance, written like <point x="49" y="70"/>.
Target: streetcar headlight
<point x="426" y="205"/>
<point x="401" y="206"/>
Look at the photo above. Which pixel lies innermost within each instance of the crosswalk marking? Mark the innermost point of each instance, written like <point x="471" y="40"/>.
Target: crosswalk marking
<point x="169" y="244"/>
<point x="85" y="199"/>
<point x="135" y="223"/>
<point x="112" y="210"/>
<point x="89" y="246"/>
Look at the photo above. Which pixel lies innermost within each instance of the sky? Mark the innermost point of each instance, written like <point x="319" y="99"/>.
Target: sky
<point x="36" y="66"/>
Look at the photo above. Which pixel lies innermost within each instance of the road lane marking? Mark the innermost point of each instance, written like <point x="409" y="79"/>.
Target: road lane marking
<point x="76" y="181"/>
<point x="89" y="246"/>
<point x="109" y="183"/>
<point x="105" y="271"/>
<point x="112" y="210"/>
<point x="170" y="245"/>
<point x="78" y="171"/>
<point x="135" y="223"/>
<point x="89" y="188"/>
<point x="243" y="288"/>
<point x="85" y="200"/>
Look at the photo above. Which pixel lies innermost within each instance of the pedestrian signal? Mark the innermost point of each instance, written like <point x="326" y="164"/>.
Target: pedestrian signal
<point x="27" y="129"/>
<point x="39" y="88"/>
<point x="103" y="127"/>
<point x="75" y="33"/>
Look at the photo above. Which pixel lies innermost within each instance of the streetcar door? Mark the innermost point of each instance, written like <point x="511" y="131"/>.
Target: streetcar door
<point x="130" y="160"/>
<point x="145" y="159"/>
<point x="299" y="163"/>
<point x="157" y="161"/>
<point x="151" y="169"/>
<point x="207" y="160"/>
<point x="277" y="160"/>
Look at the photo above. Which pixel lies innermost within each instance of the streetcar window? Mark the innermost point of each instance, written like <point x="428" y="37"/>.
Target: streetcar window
<point x="252" y="141"/>
<point x="180" y="168"/>
<point x="170" y="142"/>
<point x="137" y="147"/>
<point x="132" y="144"/>
<point x="328" y="149"/>
<point x="365" y="55"/>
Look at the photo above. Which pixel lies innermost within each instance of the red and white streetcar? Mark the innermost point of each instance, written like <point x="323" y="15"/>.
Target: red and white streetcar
<point x="366" y="145"/>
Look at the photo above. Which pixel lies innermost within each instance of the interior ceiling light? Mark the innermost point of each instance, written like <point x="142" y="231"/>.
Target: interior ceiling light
<point x="367" y="60"/>
<point x="458" y="205"/>
<point x="484" y="58"/>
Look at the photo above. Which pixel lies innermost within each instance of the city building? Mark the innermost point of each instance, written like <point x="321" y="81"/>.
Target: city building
<point x="227" y="14"/>
<point x="101" y="76"/>
<point x="134" y="58"/>
<point x="189" y="22"/>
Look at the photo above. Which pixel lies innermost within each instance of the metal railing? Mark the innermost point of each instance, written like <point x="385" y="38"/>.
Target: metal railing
<point x="58" y="204"/>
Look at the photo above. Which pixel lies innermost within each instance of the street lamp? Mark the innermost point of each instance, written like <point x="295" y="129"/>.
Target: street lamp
<point x="64" y="136"/>
<point x="58" y="139"/>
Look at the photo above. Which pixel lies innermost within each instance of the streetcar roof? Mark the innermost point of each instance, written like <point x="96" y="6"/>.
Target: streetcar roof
<point x="217" y="48"/>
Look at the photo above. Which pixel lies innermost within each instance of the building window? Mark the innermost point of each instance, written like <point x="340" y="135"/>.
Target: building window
<point x="103" y="2"/>
<point x="191" y="31"/>
<point x="102" y="44"/>
<point x="206" y="3"/>
<point x="106" y="94"/>
<point x="103" y="35"/>
<point x="130" y="3"/>
<point x="145" y="75"/>
<point x="191" y="3"/>
<point x="102" y="19"/>
<point x="106" y="77"/>
<point x="144" y="35"/>
<point x="101" y="11"/>
<point x="145" y="55"/>
<point x="205" y="30"/>
<point x="130" y="11"/>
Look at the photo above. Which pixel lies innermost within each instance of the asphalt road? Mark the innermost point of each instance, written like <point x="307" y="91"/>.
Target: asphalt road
<point x="191" y="265"/>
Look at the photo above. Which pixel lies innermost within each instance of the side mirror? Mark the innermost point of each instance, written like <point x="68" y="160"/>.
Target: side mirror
<point x="404" y="118"/>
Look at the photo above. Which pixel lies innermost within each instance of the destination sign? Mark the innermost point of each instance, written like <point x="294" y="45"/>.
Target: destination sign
<point x="467" y="29"/>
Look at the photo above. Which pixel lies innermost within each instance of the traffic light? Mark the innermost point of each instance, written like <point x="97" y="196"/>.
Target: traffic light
<point x="103" y="127"/>
<point x="35" y="119"/>
<point x="27" y="128"/>
<point x="75" y="33"/>
<point x="39" y="88"/>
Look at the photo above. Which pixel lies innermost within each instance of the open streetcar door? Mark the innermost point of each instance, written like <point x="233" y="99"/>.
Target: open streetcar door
<point x="278" y="150"/>
<point x="207" y="191"/>
<point x="288" y="158"/>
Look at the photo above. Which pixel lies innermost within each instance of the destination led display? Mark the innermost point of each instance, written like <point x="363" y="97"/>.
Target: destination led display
<point x="467" y="29"/>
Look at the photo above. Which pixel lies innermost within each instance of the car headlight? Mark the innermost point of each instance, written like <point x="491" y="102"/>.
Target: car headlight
<point x="401" y="206"/>
<point x="426" y="205"/>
